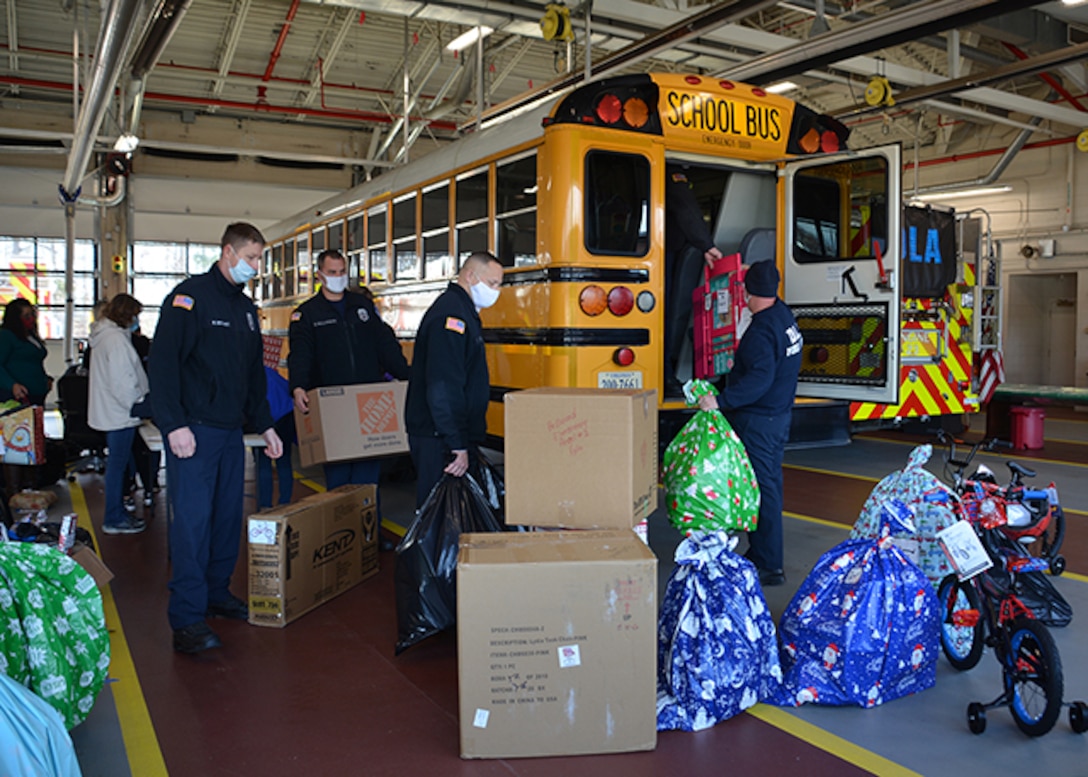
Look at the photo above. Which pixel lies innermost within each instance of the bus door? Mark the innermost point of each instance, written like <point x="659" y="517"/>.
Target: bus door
<point x="842" y="235"/>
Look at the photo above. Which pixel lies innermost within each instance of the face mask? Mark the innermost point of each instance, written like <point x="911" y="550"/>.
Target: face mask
<point x="134" y="325"/>
<point x="241" y="273"/>
<point x="483" y="296"/>
<point x="336" y="284"/>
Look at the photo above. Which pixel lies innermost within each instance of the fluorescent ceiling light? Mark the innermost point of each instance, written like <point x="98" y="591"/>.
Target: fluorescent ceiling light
<point x="1073" y="2"/>
<point x="955" y="193"/>
<point x="780" y="87"/>
<point x="466" y="39"/>
<point x="126" y="143"/>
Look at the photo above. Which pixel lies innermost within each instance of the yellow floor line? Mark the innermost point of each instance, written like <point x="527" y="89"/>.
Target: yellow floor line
<point x="141" y="744"/>
<point x="1005" y="453"/>
<point x="828" y="742"/>
<point x="819" y="471"/>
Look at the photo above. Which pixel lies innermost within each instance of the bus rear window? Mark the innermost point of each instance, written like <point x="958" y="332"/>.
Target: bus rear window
<point x="617" y="203"/>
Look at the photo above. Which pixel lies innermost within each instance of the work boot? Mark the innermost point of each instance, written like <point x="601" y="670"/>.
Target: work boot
<point x="195" y="638"/>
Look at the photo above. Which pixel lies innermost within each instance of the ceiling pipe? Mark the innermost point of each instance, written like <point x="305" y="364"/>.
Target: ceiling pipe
<point x="164" y="22"/>
<point x="210" y="102"/>
<point x="999" y="166"/>
<point x="1048" y="79"/>
<point x="280" y="40"/>
<point x="118" y="28"/>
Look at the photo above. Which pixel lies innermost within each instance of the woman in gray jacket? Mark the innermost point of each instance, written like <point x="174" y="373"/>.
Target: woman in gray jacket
<point x="117" y="382"/>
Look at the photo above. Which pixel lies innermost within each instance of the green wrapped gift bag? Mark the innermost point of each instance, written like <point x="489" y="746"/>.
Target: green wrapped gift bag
<point x="53" y="638"/>
<point x="709" y="482"/>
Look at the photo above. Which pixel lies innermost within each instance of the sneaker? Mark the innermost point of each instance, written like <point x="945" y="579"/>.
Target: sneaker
<point x="130" y="504"/>
<point x="233" y="608"/>
<point x="149" y="500"/>
<point x="195" y="638"/>
<point x="130" y="526"/>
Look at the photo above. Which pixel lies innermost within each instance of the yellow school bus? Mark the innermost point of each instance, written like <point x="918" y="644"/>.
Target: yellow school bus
<point x="571" y="198"/>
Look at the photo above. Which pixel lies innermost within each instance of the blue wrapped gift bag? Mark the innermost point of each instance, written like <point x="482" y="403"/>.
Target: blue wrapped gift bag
<point x="717" y="652"/>
<point x="863" y="627"/>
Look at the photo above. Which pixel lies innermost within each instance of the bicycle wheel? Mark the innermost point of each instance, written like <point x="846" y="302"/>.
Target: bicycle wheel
<point x="961" y="623"/>
<point x="1032" y="671"/>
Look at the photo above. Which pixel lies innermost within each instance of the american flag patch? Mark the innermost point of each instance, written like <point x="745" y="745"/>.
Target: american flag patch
<point x="183" y="301"/>
<point x="296" y="316"/>
<point x="455" y="325"/>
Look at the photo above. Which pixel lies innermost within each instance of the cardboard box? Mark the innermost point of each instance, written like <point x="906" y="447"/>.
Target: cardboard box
<point x="305" y="553"/>
<point x="352" y="422"/>
<point x="580" y="458"/>
<point x="94" y="565"/>
<point x="22" y="436"/>
<point x="556" y="644"/>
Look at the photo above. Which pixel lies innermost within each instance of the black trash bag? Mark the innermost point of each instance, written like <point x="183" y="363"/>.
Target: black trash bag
<point x="491" y="483"/>
<point x="426" y="571"/>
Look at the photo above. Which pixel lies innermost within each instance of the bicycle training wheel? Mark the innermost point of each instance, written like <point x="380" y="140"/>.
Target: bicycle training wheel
<point x="961" y="623"/>
<point x="1033" y="677"/>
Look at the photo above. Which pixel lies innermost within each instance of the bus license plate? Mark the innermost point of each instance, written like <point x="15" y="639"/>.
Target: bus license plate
<point x="619" y="380"/>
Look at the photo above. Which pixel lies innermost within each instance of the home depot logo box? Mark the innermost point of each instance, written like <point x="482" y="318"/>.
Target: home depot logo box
<point x="305" y="553"/>
<point x="352" y="422"/>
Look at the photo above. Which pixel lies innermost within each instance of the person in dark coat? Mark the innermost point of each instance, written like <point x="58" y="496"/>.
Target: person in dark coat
<point x="757" y="402"/>
<point x="207" y="382"/>
<point x="22" y="356"/>
<point x="685" y="229"/>
<point x="338" y="339"/>
<point x="449" y="391"/>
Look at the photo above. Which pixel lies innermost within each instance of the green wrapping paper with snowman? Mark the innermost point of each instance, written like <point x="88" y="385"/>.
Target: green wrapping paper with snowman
<point x="53" y="637"/>
<point x="709" y="482"/>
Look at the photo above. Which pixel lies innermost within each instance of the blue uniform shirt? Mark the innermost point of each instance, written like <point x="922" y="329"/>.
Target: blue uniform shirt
<point x="764" y="377"/>
<point x="206" y="362"/>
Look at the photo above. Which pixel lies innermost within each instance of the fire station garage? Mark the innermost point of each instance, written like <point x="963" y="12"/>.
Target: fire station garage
<point x="467" y="387"/>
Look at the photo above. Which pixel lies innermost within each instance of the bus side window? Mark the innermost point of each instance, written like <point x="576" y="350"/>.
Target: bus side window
<point x="816" y="225"/>
<point x="617" y="201"/>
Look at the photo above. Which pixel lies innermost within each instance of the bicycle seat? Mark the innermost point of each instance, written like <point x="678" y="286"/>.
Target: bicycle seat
<point x="1018" y="468"/>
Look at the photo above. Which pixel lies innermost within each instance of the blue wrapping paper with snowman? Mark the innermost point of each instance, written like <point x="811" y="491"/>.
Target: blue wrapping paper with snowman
<point x="717" y="652"/>
<point x="863" y="627"/>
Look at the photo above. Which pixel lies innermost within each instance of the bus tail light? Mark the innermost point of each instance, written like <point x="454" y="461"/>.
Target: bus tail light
<point x="620" y="301"/>
<point x="624" y="357"/>
<point x="635" y="112"/>
<point x="609" y="109"/>
<point x="592" y="300"/>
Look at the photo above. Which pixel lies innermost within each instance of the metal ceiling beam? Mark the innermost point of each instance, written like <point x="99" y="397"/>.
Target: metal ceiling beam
<point x="234" y="35"/>
<point x="879" y="32"/>
<point x="13" y="36"/>
<point x="1024" y="67"/>
<point x="346" y="25"/>
<point x="691" y="27"/>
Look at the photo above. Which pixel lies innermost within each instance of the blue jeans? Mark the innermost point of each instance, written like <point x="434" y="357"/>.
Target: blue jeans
<point x="764" y="438"/>
<point x="284" y="474"/>
<point x="359" y="472"/>
<point x="119" y="442"/>
<point x="206" y="493"/>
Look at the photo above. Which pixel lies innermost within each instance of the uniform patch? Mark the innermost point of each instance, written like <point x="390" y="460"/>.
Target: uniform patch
<point x="455" y="325"/>
<point x="296" y="316"/>
<point x="183" y="301"/>
<point x="363" y="315"/>
<point x="679" y="178"/>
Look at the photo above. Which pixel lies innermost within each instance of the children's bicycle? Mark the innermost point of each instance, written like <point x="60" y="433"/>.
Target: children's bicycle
<point x="1032" y="517"/>
<point x="985" y="610"/>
